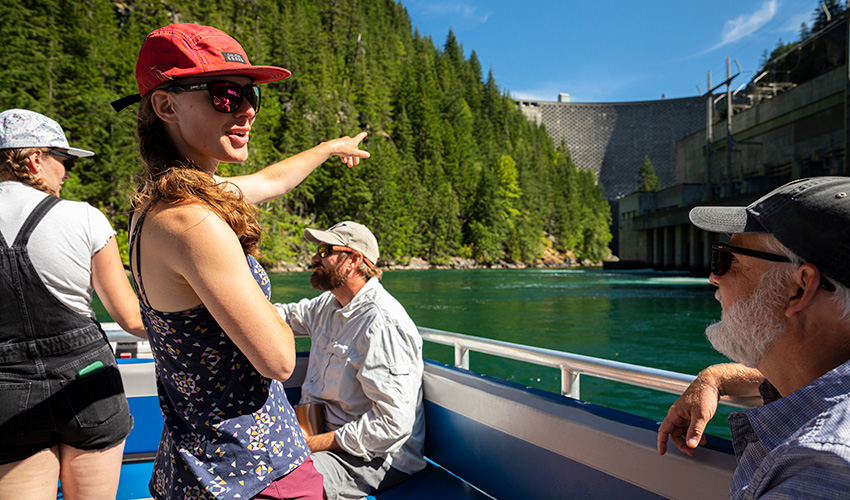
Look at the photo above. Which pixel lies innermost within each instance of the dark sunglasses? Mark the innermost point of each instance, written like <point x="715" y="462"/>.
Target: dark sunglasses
<point x="225" y="97"/>
<point x="68" y="161"/>
<point x="721" y="260"/>
<point x="325" y="249"/>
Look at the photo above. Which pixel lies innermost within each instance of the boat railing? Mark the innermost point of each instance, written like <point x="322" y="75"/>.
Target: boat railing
<point x="572" y="366"/>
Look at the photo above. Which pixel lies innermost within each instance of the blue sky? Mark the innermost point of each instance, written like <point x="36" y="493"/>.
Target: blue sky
<point x="612" y="50"/>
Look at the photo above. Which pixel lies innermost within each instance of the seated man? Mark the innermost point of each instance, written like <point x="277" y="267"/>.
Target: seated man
<point x="365" y="367"/>
<point x="783" y="285"/>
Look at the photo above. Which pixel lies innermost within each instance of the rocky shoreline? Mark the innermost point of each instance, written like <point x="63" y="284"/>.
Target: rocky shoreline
<point x="550" y="260"/>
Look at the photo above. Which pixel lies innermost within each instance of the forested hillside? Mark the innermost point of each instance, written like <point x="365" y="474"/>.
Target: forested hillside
<point x="820" y="49"/>
<point x="456" y="170"/>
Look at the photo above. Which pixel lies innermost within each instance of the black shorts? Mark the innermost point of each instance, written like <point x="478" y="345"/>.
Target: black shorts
<point x="76" y="399"/>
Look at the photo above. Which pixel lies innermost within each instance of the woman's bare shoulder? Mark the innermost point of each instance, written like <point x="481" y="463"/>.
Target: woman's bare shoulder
<point x="187" y="224"/>
<point x="183" y="216"/>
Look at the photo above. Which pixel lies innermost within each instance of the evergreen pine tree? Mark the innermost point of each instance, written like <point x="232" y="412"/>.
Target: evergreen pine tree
<point x="648" y="179"/>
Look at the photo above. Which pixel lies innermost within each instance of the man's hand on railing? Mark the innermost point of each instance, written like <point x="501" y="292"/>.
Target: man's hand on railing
<point x="686" y="420"/>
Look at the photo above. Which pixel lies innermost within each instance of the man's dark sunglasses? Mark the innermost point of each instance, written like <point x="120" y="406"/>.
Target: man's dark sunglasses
<point x="225" y="97"/>
<point x="325" y="249"/>
<point x="721" y="260"/>
<point x="68" y="161"/>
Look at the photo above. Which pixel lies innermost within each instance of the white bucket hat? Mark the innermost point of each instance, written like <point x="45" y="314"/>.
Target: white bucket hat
<point x="21" y="128"/>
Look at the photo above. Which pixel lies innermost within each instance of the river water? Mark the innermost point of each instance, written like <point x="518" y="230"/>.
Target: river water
<point x="648" y="318"/>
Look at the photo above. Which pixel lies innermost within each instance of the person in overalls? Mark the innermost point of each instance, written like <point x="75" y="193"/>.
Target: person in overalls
<point x="63" y="413"/>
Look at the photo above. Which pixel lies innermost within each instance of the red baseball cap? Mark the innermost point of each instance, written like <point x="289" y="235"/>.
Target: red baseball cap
<point x="192" y="50"/>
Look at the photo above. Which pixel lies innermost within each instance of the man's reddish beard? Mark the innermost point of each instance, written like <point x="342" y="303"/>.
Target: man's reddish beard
<point x="326" y="279"/>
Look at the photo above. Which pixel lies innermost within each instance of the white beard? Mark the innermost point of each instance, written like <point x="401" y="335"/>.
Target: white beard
<point x="748" y="328"/>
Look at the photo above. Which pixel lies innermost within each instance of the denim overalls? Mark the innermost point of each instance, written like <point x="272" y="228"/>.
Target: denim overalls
<point x="59" y="381"/>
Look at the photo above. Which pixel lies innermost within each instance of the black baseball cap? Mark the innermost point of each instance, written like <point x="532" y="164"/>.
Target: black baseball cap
<point x="811" y="217"/>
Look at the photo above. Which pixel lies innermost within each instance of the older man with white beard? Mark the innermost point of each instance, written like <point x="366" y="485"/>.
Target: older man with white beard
<point x="783" y="284"/>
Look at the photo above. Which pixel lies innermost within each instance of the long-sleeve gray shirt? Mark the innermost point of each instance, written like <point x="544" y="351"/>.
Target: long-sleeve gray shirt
<point x="366" y="367"/>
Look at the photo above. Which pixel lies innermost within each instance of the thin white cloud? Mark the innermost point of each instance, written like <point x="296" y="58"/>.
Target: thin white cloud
<point x="747" y="24"/>
<point x="744" y="26"/>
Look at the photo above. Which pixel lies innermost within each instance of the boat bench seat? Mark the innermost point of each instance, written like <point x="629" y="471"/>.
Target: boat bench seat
<point x="433" y="482"/>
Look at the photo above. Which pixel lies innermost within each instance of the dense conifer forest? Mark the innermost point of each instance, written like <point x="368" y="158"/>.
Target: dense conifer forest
<point x="456" y="170"/>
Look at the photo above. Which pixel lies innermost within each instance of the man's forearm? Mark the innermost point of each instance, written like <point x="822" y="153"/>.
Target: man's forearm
<point x="733" y="379"/>
<point x="323" y="442"/>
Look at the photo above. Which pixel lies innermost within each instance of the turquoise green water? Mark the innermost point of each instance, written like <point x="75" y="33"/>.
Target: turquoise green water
<point x="647" y="318"/>
<point x="642" y="317"/>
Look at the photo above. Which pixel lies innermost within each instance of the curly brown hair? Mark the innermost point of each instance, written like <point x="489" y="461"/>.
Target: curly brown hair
<point x="169" y="177"/>
<point x="13" y="167"/>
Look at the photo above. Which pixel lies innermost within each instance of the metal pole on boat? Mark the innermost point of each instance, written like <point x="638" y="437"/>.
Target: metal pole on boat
<point x="729" y="111"/>
<point x="461" y="357"/>
<point x="709" y="137"/>
<point x="570" y="383"/>
<point x="846" y="167"/>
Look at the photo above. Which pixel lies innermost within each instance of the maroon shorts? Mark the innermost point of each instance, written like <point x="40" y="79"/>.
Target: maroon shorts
<point x="304" y="483"/>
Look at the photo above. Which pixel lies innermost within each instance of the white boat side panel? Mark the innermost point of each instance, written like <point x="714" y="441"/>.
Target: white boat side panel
<point x="138" y="378"/>
<point x="617" y="449"/>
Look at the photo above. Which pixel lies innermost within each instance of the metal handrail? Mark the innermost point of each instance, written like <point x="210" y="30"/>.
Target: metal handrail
<point x="572" y="366"/>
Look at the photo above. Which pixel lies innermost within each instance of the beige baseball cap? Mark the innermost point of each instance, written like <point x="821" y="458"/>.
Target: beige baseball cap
<point x="347" y="234"/>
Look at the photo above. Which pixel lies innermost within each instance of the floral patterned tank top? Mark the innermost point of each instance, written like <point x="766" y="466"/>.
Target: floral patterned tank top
<point x="229" y="432"/>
